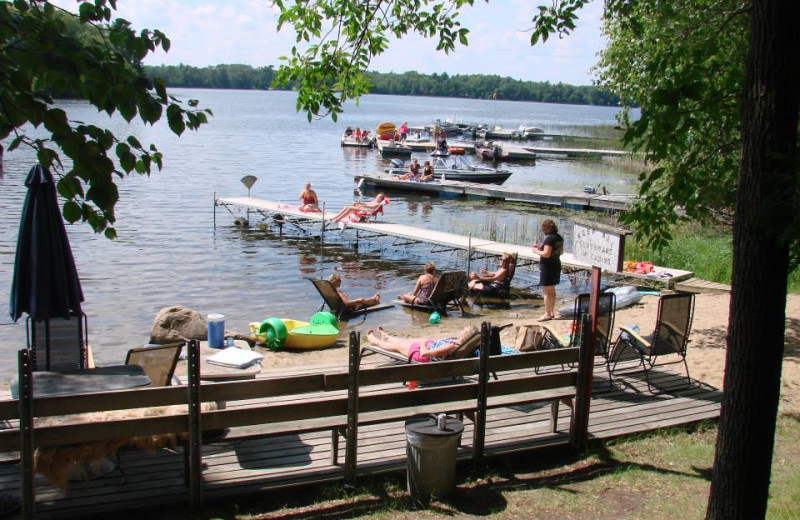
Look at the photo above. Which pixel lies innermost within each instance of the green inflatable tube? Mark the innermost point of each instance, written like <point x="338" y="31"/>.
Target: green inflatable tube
<point x="276" y="332"/>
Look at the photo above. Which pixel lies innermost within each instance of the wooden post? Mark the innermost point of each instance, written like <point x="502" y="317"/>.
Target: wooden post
<point x="479" y="437"/>
<point x="195" y="427"/>
<point x="215" y="209"/>
<point x="25" y="391"/>
<point x="469" y="252"/>
<point x="580" y="427"/>
<point x="351" y="449"/>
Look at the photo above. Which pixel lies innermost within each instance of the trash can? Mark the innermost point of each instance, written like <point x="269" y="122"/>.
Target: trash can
<point x="431" y="454"/>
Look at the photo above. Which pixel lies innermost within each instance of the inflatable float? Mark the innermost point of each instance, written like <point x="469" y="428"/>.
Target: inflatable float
<point x="386" y="131"/>
<point x="275" y="333"/>
<point x="626" y="296"/>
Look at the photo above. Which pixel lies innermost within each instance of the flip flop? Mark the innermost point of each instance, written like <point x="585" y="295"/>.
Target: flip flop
<point x="545" y="318"/>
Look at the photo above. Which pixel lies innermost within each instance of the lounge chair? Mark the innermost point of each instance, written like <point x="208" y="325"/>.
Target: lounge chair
<point x="605" y="327"/>
<point x="448" y="291"/>
<point x="670" y="336"/>
<point x="462" y="351"/>
<point x="336" y="305"/>
<point x="158" y="361"/>
<point x="59" y="344"/>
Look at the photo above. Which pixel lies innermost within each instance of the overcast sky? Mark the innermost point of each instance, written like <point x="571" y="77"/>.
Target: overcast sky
<point x="205" y="32"/>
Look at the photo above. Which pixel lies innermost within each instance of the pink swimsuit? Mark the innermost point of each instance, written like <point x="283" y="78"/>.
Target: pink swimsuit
<point x="414" y="352"/>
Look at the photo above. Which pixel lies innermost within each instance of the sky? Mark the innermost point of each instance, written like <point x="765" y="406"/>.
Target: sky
<point x="206" y="32"/>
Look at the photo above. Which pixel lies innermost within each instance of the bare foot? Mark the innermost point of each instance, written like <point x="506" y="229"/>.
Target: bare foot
<point x="377" y="298"/>
<point x="371" y="336"/>
<point x="382" y="333"/>
<point x="546" y="317"/>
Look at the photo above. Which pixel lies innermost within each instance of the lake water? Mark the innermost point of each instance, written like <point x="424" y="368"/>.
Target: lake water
<point x="170" y="253"/>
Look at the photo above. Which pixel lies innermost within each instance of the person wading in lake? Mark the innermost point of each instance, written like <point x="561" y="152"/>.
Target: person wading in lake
<point x="550" y="251"/>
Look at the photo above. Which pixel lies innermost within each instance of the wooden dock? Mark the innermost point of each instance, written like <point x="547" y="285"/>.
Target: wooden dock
<point x="472" y="190"/>
<point x="575" y="152"/>
<point x="696" y="285"/>
<point x="149" y="480"/>
<point x="662" y="276"/>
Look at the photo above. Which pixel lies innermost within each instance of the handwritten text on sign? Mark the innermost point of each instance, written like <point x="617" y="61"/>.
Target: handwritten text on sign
<point x="599" y="248"/>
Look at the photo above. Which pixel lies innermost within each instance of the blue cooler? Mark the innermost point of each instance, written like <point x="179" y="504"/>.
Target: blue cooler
<point x="216" y="330"/>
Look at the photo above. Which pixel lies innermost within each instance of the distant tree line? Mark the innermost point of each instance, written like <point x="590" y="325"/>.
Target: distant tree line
<point x="473" y="86"/>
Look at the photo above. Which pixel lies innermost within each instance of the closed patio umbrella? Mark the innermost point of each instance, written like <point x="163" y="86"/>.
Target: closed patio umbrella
<point x="45" y="282"/>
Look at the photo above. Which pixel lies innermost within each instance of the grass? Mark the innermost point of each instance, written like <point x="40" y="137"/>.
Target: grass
<point x="705" y="250"/>
<point x="663" y="475"/>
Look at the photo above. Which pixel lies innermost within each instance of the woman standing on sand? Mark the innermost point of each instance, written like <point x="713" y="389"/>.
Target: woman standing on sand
<point x="550" y="251"/>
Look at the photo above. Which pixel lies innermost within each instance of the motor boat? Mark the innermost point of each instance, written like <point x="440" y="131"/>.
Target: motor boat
<point x="457" y="168"/>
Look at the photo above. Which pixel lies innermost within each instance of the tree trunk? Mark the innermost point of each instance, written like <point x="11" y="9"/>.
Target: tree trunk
<point x="766" y="204"/>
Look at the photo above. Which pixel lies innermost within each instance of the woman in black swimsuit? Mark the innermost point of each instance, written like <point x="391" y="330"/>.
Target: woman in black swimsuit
<point x="550" y="251"/>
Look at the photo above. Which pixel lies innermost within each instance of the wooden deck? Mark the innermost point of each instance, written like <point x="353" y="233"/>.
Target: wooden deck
<point x="697" y="285"/>
<point x="240" y="467"/>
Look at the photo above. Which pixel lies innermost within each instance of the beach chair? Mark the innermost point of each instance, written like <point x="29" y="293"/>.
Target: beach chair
<point x="448" y="291"/>
<point x="158" y="361"/>
<point x="504" y="291"/>
<point x="462" y="351"/>
<point x="59" y="344"/>
<point x="605" y="326"/>
<point x="670" y="336"/>
<point x="337" y="307"/>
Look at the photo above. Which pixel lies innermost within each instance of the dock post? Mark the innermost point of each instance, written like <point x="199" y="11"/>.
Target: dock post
<point x="322" y="228"/>
<point x="215" y="209"/>
<point x="469" y="251"/>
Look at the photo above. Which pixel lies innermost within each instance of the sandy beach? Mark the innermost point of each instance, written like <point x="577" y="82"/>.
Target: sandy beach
<point x="706" y="355"/>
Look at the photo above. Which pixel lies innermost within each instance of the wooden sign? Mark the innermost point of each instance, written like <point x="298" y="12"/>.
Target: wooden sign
<point x="598" y="247"/>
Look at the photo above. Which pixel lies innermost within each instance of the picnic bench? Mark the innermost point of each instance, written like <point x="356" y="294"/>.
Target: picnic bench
<point x="340" y="401"/>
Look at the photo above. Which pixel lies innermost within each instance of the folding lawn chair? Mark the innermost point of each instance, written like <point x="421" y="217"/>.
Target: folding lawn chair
<point x="158" y="361"/>
<point x="334" y="302"/>
<point x="59" y="344"/>
<point x="670" y="336"/>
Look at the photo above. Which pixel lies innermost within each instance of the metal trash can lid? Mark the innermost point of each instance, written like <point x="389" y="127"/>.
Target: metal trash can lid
<point x="426" y="425"/>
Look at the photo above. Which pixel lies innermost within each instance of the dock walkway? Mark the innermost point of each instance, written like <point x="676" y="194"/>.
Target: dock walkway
<point x="470" y="245"/>
<point x="149" y="480"/>
<point x="473" y="190"/>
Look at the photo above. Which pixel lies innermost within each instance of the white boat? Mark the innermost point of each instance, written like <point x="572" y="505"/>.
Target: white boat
<point x="457" y="168"/>
<point x="350" y="141"/>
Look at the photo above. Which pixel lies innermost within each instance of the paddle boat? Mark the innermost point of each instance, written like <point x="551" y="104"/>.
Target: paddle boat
<point x="275" y="333"/>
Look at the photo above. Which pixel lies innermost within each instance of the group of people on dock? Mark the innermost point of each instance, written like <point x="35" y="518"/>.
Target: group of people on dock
<point x="413" y="173"/>
<point x="357" y="134"/>
<point x="491" y="283"/>
<point x="485" y="282"/>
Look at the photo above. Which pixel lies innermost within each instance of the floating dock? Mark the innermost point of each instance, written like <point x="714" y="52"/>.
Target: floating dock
<point x="472" y="190"/>
<point x="472" y="246"/>
<point x="576" y="152"/>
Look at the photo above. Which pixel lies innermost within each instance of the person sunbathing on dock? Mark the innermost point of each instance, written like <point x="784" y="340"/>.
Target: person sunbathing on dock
<point x="413" y="172"/>
<point x="427" y="173"/>
<point x="420" y="350"/>
<point x="358" y="303"/>
<point x="360" y="208"/>
<point x="309" y="198"/>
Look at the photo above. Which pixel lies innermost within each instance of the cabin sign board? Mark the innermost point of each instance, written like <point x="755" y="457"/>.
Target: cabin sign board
<point x="598" y="248"/>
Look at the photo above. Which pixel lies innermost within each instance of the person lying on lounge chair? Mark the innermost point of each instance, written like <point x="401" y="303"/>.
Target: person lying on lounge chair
<point x="360" y="208"/>
<point x="420" y="350"/>
<point x="358" y="303"/>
